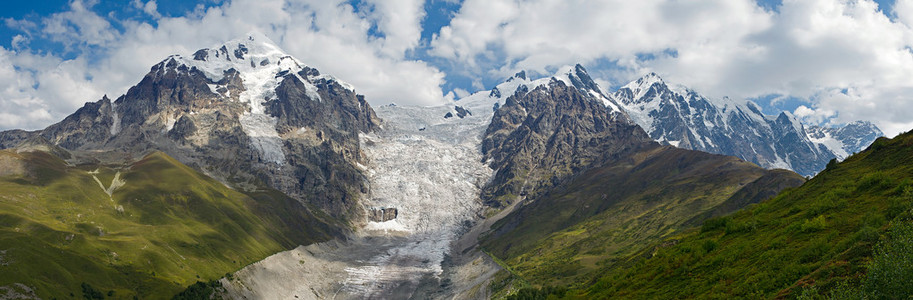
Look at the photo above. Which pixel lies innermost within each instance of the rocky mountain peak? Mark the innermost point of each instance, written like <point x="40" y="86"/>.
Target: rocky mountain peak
<point x="244" y="112"/>
<point x="644" y="89"/>
<point x="520" y="75"/>
<point x="556" y="129"/>
<point x="575" y="76"/>
<point x="582" y="80"/>
<point x="249" y="54"/>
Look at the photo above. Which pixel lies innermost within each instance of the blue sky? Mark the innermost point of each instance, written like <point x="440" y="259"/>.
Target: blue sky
<point x="114" y="11"/>
<point x="828" y="61"/>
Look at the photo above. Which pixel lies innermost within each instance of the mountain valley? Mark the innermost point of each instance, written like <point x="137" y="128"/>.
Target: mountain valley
<point x="238" y="172"/>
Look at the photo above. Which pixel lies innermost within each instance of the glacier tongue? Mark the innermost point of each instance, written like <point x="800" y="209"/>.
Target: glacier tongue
<point x="426" y="180"/>
<point x="433" y="180"/>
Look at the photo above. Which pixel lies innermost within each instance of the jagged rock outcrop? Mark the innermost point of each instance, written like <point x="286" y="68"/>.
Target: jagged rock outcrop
<point x="462" y="112"/>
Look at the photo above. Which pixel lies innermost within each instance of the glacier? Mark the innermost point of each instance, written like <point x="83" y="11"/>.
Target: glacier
<point x="427" y="167"/>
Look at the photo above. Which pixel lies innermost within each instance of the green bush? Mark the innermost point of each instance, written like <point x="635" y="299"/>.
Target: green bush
<point x="866" y="234"/>
<point x="709" y="245"/>
<point x="845" y="291"/>
<point x="89" y="292"/>
<point x="814" y="252"/>
<point x="890" y="273"/>
<point x="733" y="227"/>
<point x="199" y="290"/>
<point x="879" y="143"/>
<point x="875" y="181"/>
<point x="714" y="224"/>
<point x="816" y="224"/>
<point x="835" y="199"/>
<point x="831" y="164"/>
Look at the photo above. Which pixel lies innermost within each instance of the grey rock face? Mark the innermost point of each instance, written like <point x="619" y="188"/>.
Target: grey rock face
<point x="538" y="138"/>
<point x="382" y="214"/>
<point x="686" y="119"/>
<point x="462" y="112"/>
<point x="11" y="138"/>
<point x="90" y="124"/>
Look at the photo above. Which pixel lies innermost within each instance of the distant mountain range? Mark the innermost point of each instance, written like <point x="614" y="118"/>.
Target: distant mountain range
<point x="681" y="117"/>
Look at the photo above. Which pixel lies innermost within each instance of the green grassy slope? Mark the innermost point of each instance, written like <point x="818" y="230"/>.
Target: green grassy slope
<point x="609" y="213"/>
<point x="165" y="228"/>
<point x="814" y="240"/>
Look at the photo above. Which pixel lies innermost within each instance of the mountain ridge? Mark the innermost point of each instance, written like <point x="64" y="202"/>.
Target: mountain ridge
<point x="679" y="116"/>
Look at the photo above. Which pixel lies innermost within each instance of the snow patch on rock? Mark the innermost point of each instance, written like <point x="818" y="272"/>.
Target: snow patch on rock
<point x="262" y="66"/>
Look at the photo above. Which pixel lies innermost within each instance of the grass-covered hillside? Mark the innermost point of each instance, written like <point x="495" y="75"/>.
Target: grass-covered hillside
<point x="846" y="233"/>
<point x="607" y="214"/>
<point x="148" y="229"/>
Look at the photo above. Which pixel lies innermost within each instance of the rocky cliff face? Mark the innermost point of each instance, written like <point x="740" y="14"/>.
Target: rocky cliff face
<point x="245" y="112"/>
<point x="541" y="136"/>
<point x="683" y="118"/>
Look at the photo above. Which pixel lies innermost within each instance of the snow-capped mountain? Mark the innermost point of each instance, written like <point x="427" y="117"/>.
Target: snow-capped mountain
<point x="248" y="114"/>
<point x="681" y="117"/>
<point x="678" y="116"/>
<point x="244" y="112"/>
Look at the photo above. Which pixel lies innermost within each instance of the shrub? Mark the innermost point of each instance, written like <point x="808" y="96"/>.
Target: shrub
<point x="709" y="245"/>
<point x="834" y="199"/>
<point x="866" y="234"/>
<point x="845" y="291"/>
<point x="875" y="181"/>
<point x="733" y="227"/>
<point x="897" y="206"/>
<point x="891" y="270"/>
<point x="714" y="224"/>
<point x="814" y="252"/>
<point x="879" y="143"/>
<point x="89" y="292"/>
<point x="831" y="164"/>
<point x="816" y="224"/>
<point x="199" y="290"/>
